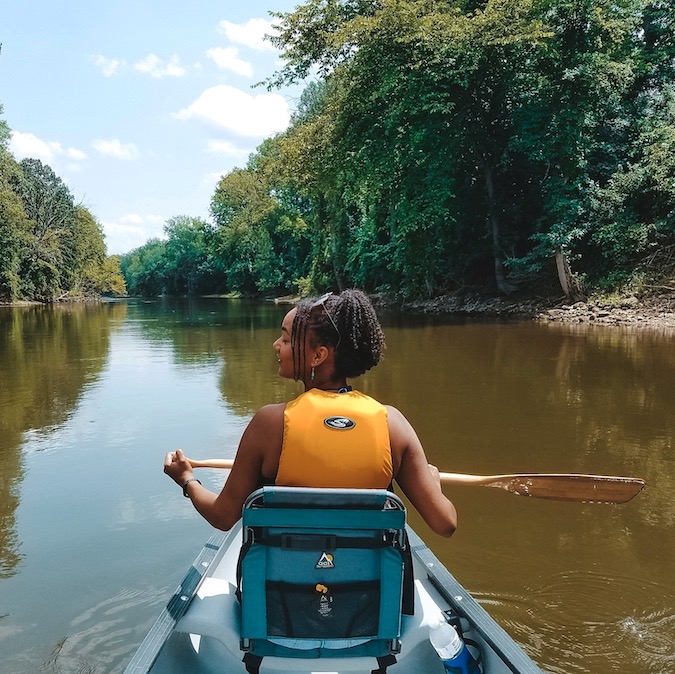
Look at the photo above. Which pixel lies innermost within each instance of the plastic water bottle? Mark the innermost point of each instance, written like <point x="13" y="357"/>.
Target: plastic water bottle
<point x="451" y="649"/>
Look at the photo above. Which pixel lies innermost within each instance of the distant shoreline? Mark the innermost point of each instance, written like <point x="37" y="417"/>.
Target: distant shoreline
<point x="651" y="311"/>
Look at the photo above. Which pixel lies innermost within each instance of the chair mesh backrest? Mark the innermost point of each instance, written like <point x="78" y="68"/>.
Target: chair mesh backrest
<point x="322" y="572"/>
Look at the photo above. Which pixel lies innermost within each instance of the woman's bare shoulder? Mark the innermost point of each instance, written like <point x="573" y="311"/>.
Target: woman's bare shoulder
<point x="269" y="413"/>
<point x="272" y="409"/>
<point x="398" y="424"/>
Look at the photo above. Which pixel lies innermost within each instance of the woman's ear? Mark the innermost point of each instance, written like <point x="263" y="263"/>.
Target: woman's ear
<point x="321" y="352"/>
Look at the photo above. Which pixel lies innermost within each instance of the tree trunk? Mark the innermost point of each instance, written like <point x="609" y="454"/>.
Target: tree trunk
<point x="337" y="244"/>
<point x="503" y="286"/>
<point x="568" y="283"/>
<point x="327" y="229"/>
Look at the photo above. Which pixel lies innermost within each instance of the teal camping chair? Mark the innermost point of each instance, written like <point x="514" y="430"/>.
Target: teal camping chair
<point x="321" y="574"/>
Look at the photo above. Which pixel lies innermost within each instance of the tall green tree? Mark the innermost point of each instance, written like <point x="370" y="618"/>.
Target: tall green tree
<point x="49" y="259"/>
<point x="308" y="159"/>
<point x="259" y="239"/>
<point x="14" y="228"/>
<point x="49" y="247"/>
<point x="580" y="124"/>
<point x="93" y="272"/>
<point x="144" y="269"/>
<point x="188" y="268"/>
<point x="451" y="143"/>
<point x="426" y="91"/>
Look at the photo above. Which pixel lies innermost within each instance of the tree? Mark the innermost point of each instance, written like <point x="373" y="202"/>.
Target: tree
<point x="259" y="238"/>
<point x="14" y="228"/>
<point x="580" y="123"/>
<point x="187" y="257"/>
<point x="5" y="132"/>
<point x="49" y="259"/>
<point x="418" y="85"/>
<point x="309" y="161"/>
<point x="94" y="272"/>
<point x="49" y="247"/>
<point x="144" y="269"/>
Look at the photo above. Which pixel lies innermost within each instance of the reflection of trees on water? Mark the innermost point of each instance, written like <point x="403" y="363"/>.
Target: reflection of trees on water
<point x="48" y="355"/>
<point x="622" y="389"/>
<point x="536" y="398"/>
<point x="236" y="335"/>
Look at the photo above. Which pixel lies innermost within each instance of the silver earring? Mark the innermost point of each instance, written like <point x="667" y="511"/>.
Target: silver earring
<point x="311" y="374"/>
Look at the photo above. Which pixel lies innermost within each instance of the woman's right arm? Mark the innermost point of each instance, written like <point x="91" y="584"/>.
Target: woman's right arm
<point x="258" y="451"/>
<point x="419" y="481"/>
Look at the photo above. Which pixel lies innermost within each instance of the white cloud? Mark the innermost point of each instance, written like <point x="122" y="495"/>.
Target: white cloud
<point x="132" y="231"/>
<point x="156" y="67"/>
<point x="136" y="219"/>
<point x="75" y="154"/>
<point x="115" y="148"/>
<point x="214" y="178"/>
<point x="251" y="33"/>
<point x="24" y="145"/>
<point x="238" y="111"/>
<point x="132" y="219"/>
<point x="225" y="147"/>
<point x="108" y="67"/>
<point x="227" y="58"/>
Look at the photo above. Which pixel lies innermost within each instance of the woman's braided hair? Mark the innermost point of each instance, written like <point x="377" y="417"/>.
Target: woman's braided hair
<point x="348" y="323"/>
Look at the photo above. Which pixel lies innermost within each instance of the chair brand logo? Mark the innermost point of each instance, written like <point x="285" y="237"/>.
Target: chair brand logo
<point x="325" y="562"/>
<point x="339" y="423"/>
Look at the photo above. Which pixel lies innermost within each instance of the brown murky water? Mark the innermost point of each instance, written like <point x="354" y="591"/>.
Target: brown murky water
<point x="93" y="538"/>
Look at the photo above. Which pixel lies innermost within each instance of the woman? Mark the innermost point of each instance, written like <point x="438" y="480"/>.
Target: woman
<point x="330" y="436"/>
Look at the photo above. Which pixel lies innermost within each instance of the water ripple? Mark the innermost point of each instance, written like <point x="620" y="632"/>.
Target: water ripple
<point x="105" y="634"/>
<point x="568" y="623"/>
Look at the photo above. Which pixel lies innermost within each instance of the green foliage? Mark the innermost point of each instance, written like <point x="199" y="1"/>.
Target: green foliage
<point x="260" y="236"/>
<point x="186" y="256"/>
<point x="144" y="269"/>
<point x="14" y="229"/>
<point x="443" y="144"/>
<point x="5" y="132"/>
<point x="94" y="272"/>
<point x="50" y="248"/>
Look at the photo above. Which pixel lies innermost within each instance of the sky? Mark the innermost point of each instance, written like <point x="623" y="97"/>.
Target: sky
<point x="140" y="106"/>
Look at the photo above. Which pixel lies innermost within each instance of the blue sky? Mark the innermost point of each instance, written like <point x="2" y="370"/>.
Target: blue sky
<point x="138" y="105"/>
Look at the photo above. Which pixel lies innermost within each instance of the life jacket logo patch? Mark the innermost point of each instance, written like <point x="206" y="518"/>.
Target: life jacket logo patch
<point x="339" y="423"/>
<point x="325" y="562"/>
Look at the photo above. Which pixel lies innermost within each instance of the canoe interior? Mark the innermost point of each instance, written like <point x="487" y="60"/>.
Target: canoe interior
<point x="197" y="632"/>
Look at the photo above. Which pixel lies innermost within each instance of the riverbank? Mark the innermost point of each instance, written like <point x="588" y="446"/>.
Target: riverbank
<point x="652" y="310"/>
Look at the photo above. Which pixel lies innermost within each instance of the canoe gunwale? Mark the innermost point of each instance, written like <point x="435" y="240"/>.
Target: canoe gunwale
<point x="466" y="606"/>
<point x="146" y="654"/>
<point x="496" y="638"/>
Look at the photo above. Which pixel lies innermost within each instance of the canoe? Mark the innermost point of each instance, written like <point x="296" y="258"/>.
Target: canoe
<point x="199" y="629"/>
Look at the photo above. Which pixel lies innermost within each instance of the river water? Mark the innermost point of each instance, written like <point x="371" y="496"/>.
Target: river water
<point x="94" y="538"/>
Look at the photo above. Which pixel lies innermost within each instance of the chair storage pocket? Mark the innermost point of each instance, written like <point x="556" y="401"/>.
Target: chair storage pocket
<point x="323" y="611"/>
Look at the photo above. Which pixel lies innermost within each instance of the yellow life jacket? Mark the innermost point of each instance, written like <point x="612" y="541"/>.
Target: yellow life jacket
<point x="335" y="440"/>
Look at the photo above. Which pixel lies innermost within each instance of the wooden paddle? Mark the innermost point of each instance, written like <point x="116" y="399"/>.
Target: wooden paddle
<point x="555" y="486"/>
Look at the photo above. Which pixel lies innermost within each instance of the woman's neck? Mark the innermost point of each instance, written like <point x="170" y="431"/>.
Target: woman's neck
<point x="330" y="386"/>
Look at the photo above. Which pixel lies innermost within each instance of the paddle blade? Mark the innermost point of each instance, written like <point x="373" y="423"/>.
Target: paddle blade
<point x="572" y="487"/>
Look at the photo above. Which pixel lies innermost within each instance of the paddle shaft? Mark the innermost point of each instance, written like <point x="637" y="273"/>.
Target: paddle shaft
<point x="555" y="486"/>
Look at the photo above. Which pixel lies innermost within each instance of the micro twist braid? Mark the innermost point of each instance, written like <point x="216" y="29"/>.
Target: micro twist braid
<point x="354" y="332"/>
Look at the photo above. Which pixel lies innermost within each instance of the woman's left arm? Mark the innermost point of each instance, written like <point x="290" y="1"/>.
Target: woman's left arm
<point x="419" y="481"/>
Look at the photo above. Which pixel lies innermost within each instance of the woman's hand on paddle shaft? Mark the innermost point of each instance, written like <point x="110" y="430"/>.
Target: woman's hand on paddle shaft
<point x="435" y="473"/>
<point x="177" y="467"/>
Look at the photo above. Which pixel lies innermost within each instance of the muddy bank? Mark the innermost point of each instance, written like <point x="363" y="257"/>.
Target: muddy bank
<point x="653" y="311"/>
